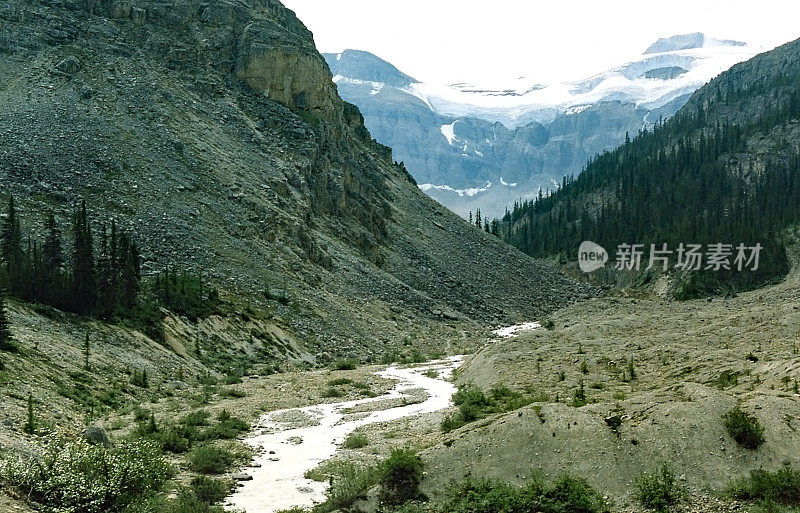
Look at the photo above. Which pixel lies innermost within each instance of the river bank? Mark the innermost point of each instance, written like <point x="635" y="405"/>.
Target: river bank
<point x="290" y="442"/>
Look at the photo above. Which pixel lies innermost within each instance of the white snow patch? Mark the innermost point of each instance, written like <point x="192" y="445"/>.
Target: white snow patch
<point x="503" y="182"/>
<point x="338" y="56"/>
<point x="480" y="154"/>
<point x="512" y="331"/>
<point x="376" y="86"/>
<point x="448" y="131"/>
<point x="543" y="102"/>
<point x="576" y="109"/>
<point x="470" y="192"/>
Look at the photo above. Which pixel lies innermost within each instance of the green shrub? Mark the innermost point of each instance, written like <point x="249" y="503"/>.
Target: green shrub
<point x="451" y="422"/>
<point x="196" y="418"/>
<point x="140" y="414"/>
<point x="226" y="428"/>
<point x="350" y="483"/>
<point x="573" y="495"/>
<point x="355" y="442"/>
<point x="473" y="404"/>
<point x="209" y="489"/>
<point x="548" y="324"/>
<point x="332" y="392"/>
<point x="339" y="382"/>
<point x="187" y="502"/>
<point x="567" y="495"/>
<point x="400" y="475"/>
<point x="726" y="379"/>
<point x="177" y="439"/>
<point x="81" y="478"/>
<point x="232" y="393"/>
<point x="658" y="491"/>
<point x="579" y="396"/>
<point x="744" y="428"/>
<point x="349" y="364"/>
<point x="781" y="486"/>
<point x="208" y="459"/>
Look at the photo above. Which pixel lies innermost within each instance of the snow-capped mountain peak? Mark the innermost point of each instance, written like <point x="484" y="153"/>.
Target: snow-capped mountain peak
<point x="670" y="68"/>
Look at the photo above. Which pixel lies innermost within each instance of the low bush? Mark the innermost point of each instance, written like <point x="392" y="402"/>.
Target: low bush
<point x="187" y="502"/>
<point x="400" y="475"/>
<point x="226" y="428"/>
<point x="350" y="483"/>
<point x="339" y="382"/>
<point x="209" y="490"/>
<point x="355" y="442"/>
<point x="781" y="486"/>
<point x="658" y="491"/>
<point x="177" y="439"/>
<point x="208" y="459"/>
<point x="332" y="392"/>
<point x="81" y="478"/>
<point x="349" y="364"/>
<point x="566" y="495"/>
<point x="744" y="428"/>
<point x="196" y="418"/>
<point x="473" y="404"/>
<point x="232" y="393"/>
<point x="140" y="414"/>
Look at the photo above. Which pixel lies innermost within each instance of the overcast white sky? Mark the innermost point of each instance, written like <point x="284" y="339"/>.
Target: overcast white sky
<point x="490" y="42"/>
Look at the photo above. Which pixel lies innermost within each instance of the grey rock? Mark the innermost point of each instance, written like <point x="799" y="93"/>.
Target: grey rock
<point x="70" y="65"/>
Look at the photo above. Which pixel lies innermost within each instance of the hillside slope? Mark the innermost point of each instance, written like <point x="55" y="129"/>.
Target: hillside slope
<point x="214" y="133"/>
<point x="725" y="169"/>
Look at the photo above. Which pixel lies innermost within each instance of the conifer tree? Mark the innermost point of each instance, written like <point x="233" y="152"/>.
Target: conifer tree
<point x="86" y="352"/>
<point x="83" y="272"/>
<point x="11" y="248"/>
<point x="6" y="337"/>
<point x="105" y="280"/>
<point x="52" y="253"/>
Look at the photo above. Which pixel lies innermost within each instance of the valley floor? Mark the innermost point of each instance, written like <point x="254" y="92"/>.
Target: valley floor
<point x="692" y="361"/>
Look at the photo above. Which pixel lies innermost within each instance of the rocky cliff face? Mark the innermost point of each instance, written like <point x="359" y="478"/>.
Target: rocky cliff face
<point x="213" y="130"/>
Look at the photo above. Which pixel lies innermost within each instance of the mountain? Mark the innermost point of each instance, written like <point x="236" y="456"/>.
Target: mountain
<point x="472" y="147"/>
<point x="213" y="133"/>
<point x="688" y="42"/>
<point x="724" y="170"/>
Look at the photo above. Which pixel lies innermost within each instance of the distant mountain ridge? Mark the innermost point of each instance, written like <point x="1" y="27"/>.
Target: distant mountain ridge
<point x="724" y="170"/>
<point x="469" y="147"/>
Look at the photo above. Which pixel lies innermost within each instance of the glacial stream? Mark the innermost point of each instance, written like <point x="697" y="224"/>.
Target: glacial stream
<point x="290" y="442"/>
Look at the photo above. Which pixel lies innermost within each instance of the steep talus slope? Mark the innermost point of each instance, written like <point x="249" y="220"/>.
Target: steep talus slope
<point x="213" y="131"/>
